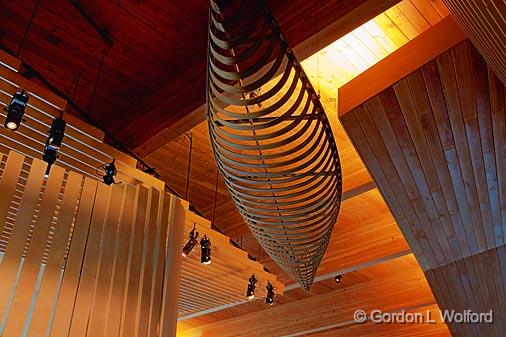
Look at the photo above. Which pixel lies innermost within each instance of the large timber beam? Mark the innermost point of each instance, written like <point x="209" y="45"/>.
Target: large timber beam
<point x="402" y="62"/>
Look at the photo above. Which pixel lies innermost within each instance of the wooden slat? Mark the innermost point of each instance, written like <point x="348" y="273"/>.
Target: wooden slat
<point x="28" y="278"/>
<point x="159" y="269"/>
<point x="8" y="183"/>
<point x="173" y="260"/>
<point x="108" y="247"/>
<point x="497" y="106"/>
<point x="10" y="61"/>
<point x="46" y="301"/>
<point x="147" y="264"/>
<point x="131" y="302"/>
<point x="119" y="271"/>
<point x="16" y="244"/>
<point x="89" y="271"/>
<point x="71" y="276"/>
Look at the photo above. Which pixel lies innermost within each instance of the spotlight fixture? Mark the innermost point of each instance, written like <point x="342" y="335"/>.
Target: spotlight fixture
<point x="205" y="245"/>
<point x="110" y="172"/>
<point x="338" y="278"/>
<point x="270" y="293"/>
<point x="49" y="157"/>
<point x="15" y="110"/>
<point x="192" y="241"/>
<point x="53" y="143"/>
<point x="250" y="293"/>
<point x="56" y="133"/>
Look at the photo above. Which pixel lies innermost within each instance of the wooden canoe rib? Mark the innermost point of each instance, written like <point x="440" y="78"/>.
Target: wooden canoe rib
<point x="271" y="139"/>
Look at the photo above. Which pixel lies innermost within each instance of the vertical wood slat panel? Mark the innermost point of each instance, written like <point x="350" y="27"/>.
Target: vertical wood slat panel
<point x="147" y="265"/>
<point x="120" y="263"/>
<point x="97" y="321"/>
<point x="43" y="311"/>
<point x="32" y="265"/>
<point x="8" y="183"/>
<point x="116" y="269"/>
<point x="16" y="244"/>
<point x="131" y="301"/>
<point x="485" y="131"/>
<point x="497" y="104"/>
<point x="71" y="278"/>
<point x="159" y="257"/>
<point x="90" y="266"/>
<point x="173" y="262"/>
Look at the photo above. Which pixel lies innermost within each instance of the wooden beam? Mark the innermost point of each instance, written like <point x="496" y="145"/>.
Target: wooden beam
<point x="353" y="268"/>
<point x="399" y="64"/>
<point x="358" y="190"/>
<point x="308" y="47"/>
<point x="9" y="61"/>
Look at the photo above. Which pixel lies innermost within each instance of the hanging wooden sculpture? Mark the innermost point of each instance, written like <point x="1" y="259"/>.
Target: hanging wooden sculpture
<point x="271" y="139"/>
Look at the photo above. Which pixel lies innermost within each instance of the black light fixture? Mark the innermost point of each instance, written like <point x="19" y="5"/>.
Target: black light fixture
<point x="205" y="245"/>
<point x="15" y="110"/>
<point x="270" y="293"/>
<point x="110" y="172"/>
<point x="53" y="143"/>
<point x="192" y="242"/>
<point x="338" y="278"/>
<point x="49" y="157"/>
<point x="56" y="133"/>
<point x="250" y="292"/>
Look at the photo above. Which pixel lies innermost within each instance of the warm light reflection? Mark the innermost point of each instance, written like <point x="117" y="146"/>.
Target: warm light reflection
<point x="365" y="46"/>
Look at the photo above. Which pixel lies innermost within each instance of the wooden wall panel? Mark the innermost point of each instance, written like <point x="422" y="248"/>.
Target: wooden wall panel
<point x="73" y="264"/>
<point x="83" y="287"/>
<point x="435" y="143"/>
<point x="485" y="24"/>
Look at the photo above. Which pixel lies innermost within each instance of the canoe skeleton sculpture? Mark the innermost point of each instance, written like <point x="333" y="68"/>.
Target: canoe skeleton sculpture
<point x="270" y="136"/>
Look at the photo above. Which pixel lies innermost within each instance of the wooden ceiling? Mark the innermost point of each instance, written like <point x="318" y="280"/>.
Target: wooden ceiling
<point x="153" y="73"/>
<point x="433" y="138"/>
<point x="391" y="286"/>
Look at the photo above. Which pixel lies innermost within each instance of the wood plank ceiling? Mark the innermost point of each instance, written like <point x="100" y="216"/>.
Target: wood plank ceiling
<point x="435" y="143"/>
<point x="153" y="73"/>
<point x="392" y="286"/>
